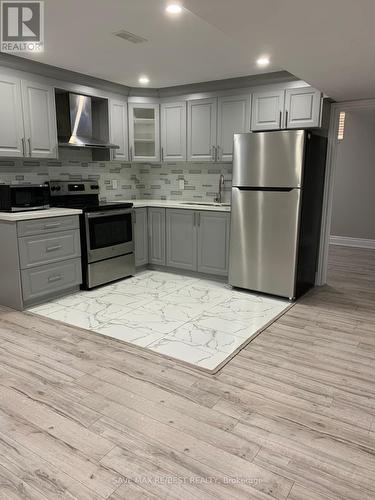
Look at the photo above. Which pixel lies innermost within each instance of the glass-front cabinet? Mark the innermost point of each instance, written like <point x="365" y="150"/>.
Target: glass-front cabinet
<point x="144" y="141"/>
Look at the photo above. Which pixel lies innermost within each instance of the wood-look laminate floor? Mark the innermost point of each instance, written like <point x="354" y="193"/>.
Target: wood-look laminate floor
<point x="292" y="416"/>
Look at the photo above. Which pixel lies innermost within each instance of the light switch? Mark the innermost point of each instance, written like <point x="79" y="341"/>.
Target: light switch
<point x="114" y="183"/>
<point x="181" y="184"/>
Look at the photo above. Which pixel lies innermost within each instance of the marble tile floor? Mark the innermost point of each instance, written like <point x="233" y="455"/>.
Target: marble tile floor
<point x="198" y="321"/>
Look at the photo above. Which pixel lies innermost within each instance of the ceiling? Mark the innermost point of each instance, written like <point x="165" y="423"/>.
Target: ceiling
<point x="180" y="50"/>
<point x="328" y="43"/>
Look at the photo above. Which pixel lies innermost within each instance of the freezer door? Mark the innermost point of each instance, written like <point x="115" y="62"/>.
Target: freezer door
<point x="264" y="240"/>
<point x="269" y="159"/>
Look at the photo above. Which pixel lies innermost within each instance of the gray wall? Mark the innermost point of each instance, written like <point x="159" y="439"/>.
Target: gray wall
<point x="354" y="190"/>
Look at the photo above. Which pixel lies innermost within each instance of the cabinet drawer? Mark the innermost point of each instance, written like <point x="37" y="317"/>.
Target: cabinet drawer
<point x="42" y="249"/>
<point x="48" y="225"/>
<point x="50" y="279"/>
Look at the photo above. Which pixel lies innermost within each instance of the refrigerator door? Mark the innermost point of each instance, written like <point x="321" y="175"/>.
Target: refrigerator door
<point x="269" y="159"/>
<point x="264" y="240"/>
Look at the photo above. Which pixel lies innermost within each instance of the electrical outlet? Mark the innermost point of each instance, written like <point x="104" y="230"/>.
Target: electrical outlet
<point x="181" y="184"/>
<point x="115" y="184"/>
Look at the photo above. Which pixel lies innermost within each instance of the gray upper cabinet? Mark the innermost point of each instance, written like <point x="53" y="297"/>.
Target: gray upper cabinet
<point x="28" y="119"/>
<point x="118" y="129"/>
<point x="156" y="228"/>
<point x="181" y="239"/>
<point x="213" y="242"/>
<point x="233" y="117"/>
<point x="140" y="236"/>
<point x="302" y="108"/>
<point x="144" y="132"/>
<point x="39" y="116"/>
<point x="11" y="123"/>
<point x="267" y="110"/>
<point x="202" y="123"/>
<point x="173" y="131"/>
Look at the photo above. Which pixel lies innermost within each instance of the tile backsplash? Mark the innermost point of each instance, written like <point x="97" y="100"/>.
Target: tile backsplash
<point x="175" y="181"/>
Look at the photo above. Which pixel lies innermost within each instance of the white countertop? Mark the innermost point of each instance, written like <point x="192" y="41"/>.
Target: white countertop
<point x="38" y="214"/>
<point x="175" y="204"/>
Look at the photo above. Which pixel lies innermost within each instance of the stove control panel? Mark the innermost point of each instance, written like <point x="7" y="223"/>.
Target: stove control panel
<point x="67" y="188"/>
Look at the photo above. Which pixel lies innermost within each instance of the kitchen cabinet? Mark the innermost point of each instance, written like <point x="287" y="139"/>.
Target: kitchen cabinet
<point x="11" y="123"/>
<point x="213" y="242"/>
<point x="181" y="237"/>
<point x="302" y="107"/>
<point x="267" y="110"/>
<point x="118" y="129"/>
<point x="198" y="240"/>
<point x="39" y="116"/>
<point x="202" y="126"/>
<point x="140" y="236"/>
<point x="144" y="133"/>
<point x="233" y="117"/>
<point x="156" y="230"/>
<point x="286" y="109"/>
<point x="28" y="119"/>
<point x="173" y="131"/>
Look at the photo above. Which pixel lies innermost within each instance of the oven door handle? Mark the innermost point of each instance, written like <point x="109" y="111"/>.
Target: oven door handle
<point x="108" y="213"/>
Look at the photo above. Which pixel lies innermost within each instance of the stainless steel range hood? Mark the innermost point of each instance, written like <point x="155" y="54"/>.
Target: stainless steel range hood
<point x="75" y="122"/>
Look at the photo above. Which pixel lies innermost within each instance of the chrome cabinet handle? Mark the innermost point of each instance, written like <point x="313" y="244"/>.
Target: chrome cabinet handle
<point x="29" y="143"/>
<point x="199" y="218"/>
<point x="53" y="249"/>
<point x="23" y="147"/>
<point x="218" y="148"/>
<point x="281" y="115"/>
<point x="286" y="119"/>
<point x="134" y="216"/>
<point x="52" y="226"/>
<point x="162" y="154"/>
<point x="131" y="153"/>
<point x="52" y="279"/>
<point x="213" y="153"/>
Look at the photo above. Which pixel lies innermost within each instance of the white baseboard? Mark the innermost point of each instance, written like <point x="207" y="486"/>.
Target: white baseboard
<point x="352" y="242"/>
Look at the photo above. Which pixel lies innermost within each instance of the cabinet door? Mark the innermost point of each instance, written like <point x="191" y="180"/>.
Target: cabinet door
<point x="11" y="122"/>
<point x="233" y="117"/>
<point x="39" y="113"/>
<point x="202" y="115"/>
<point x="140" y="236"/>
<point x="144" y="138"/>
<point x="213" y="242"/>
<point x="302" y="108"/>
<point x="118" y="129"/>
<point x="173" y="131"/>
<point x="267" y="110"/>
<point x="156" y="228"/>
<point x="181" y="239"/>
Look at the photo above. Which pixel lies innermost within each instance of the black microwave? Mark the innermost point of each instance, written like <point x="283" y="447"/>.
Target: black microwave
<point x="22" y="197"/>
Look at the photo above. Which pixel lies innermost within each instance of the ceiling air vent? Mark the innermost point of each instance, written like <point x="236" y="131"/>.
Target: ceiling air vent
<point x="130" y="37"/>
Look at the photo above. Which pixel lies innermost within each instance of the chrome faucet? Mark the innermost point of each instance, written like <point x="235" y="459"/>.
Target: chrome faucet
<point x="219" y="197"/>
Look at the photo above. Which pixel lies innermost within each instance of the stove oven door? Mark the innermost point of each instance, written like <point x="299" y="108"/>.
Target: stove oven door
<point x="108" y="234"/>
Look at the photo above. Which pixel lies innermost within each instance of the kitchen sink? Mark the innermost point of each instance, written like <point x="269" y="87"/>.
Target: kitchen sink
<point x="206" y="204"/>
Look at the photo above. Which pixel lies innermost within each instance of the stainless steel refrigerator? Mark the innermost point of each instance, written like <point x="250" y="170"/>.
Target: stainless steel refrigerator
<point x="277" y="193"/>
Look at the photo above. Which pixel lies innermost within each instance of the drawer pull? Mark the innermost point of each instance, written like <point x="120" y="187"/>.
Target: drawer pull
<point x="52" y="279"/>
<point x="52" y="226"/>
<point x="53" y="249"/>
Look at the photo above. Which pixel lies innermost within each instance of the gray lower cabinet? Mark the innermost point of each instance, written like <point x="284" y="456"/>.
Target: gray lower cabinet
<point x="39" y="259"/>
<point x="198" y="240"/>
<point x="181" y="237"/>
<point x="213" y="242"/>
<point x="140" y="236"/>
<point x="156" y="229"/>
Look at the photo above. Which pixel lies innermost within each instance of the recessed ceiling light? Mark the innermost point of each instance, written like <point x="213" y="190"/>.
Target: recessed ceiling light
<point x="263" y="61"/>
<point x="174" y="8"/>
<point x="144" y="80"/>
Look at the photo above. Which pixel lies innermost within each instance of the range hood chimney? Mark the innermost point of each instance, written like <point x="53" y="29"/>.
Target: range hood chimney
<point x="74" y="122"/>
